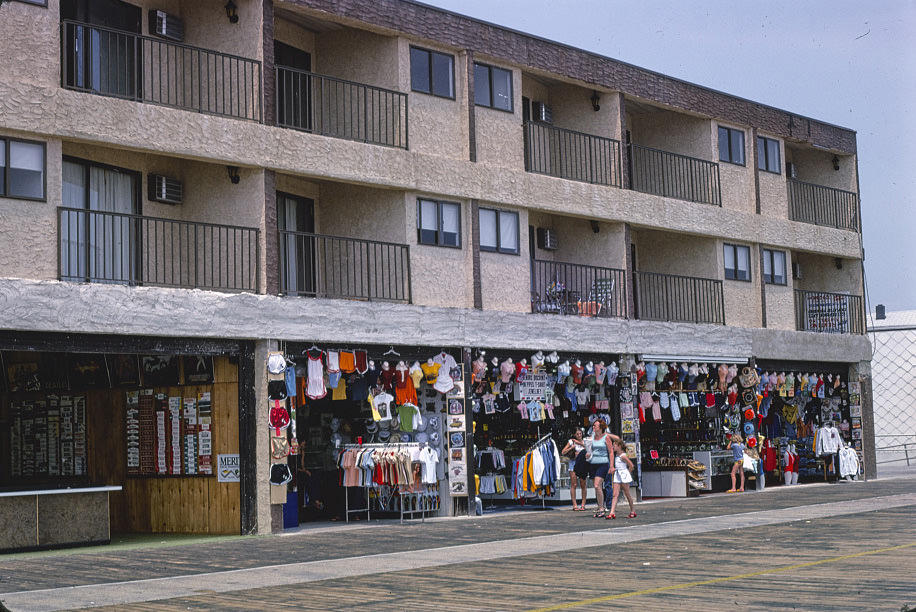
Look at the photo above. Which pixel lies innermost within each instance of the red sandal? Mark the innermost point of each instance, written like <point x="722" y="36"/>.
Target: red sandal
<point x="631" y="515"/>
<point x="610" y="516"/>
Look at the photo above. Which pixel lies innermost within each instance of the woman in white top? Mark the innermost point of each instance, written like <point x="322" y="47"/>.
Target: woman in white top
<point x="622" y="478"/>
<point x="572" y="449"/>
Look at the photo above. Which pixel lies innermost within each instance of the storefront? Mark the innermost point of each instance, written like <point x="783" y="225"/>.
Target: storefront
<point x="800" y="422"/>
<point x="127" y="431"/>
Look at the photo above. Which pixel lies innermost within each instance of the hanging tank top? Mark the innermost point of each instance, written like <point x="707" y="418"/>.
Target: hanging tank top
<point x="315" y="388"/>
<point x="599" y="451"/>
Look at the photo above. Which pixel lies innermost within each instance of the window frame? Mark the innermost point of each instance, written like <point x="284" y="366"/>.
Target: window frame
<point x="729" y="152"/>
<point x="770" y="278"/>
<point x="499" y="248"/>
<point x="735" y="272"/>
<point x="440" y="232"/>
<point x="5" y="168"/>
<point x="768" y="165"/>
<point x="430" y="53"/>
<point x="490" y="71"/>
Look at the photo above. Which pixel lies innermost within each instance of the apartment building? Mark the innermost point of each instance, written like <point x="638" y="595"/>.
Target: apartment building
<point x="188" y="187"/>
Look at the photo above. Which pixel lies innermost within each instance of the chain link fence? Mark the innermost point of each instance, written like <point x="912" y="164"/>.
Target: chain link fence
<point x="894" y="385"/>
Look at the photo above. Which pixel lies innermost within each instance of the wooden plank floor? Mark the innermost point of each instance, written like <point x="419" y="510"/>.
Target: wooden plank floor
<point x="824" y="565"/>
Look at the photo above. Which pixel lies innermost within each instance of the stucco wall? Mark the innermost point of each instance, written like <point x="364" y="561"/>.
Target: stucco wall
<point x="505" y="278"/>
<point x="671" y="132"/>
<point x="668" y="253"/>
<point x="354" y="211"/>
<point x="438" y="126"/>
<point x="34" y="53"/>
<point x="359" y="56"/>
<point x="499" y="134"/>
<point x="780" y="300"/>
<point x="774" y="197"/>
<point x="737" y="181"/>
<point x="820" y="273"/>
<point x="439" y="275"/>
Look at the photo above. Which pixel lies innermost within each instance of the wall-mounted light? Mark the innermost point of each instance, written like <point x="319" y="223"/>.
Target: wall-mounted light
<point x="595" y="227"/>
<point x="595" y="100"/>
<point x="880" y="313"/>
<point x="838" y="262"/>
<point x="232" y="12"/>
<point x="836" y="162"/>
<point x="233" y="174"/>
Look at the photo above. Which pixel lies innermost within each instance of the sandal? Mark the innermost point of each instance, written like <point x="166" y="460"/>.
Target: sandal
<point x="599" y="514"/>
<point x="631" y="515"/>
<point x="610" y="516"/>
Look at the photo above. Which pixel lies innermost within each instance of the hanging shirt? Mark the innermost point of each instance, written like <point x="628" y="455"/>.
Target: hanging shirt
<point x="315" y="387"/>
<point x="383" y="405"/>
<point x="430" y="372"/>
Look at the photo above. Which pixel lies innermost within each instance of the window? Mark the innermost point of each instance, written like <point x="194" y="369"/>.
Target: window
<point x="737" y="262"/>
<point x="499" y="231"/>
<point x="22" y="169"/>
<point x="774" y="267"/>
<point x="438" y="223"/>
<point x="493" y="87"/>
<point x="432" y="72"/>
<point x="731" y="145"/>
<point x="98" y="227"/>
<point x="768" y="155"/>
<point x="298" y="244"/>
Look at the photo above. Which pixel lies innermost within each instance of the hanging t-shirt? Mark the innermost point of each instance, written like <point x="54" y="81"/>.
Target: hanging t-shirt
<point x="315" y="387"/>
<point x="430" y="372"/>
<point x="408" y="417"/>
<point x="340" y="391"/>
<point x="383" y="406"/>
<point x="333" y="361"/>
<point x="506" y="371"/>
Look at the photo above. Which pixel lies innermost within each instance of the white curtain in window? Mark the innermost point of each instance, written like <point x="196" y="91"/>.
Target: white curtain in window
<point x="449" y="218"/>
<point x="73" y="224"/>
<point x="743" y="264"/>
<point x="508" y="231"/>
<point x="488" y="238"/>
<point x="26" y="169"/>
<point x="111" y="234"/>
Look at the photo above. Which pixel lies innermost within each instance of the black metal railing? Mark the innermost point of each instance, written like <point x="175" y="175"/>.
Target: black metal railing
<point x="821" y="205"/>
<point x="104" y="247"/>
<point x="830" y="313"/>
<point x="314" y="265"/>
<point x="124" y="65"/>
<point x="341" y="109"/>
<point x="576" y="289"/>
<point x="666" y="297"/>
<point x="674" y="176"/>
<point x="572" y="155"/>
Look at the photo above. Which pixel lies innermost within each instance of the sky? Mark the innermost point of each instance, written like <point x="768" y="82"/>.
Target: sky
<point x="850" y="63"/>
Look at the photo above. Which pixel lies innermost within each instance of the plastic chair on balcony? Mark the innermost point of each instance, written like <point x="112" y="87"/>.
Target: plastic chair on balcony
<point x="600" y="298"/>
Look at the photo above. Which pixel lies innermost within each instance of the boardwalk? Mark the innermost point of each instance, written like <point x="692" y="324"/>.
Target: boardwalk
<point x="845" y="546"/>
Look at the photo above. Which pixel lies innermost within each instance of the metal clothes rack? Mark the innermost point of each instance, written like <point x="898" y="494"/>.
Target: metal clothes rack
<point x="417" y="499"/>
<point x="531" y="448"/>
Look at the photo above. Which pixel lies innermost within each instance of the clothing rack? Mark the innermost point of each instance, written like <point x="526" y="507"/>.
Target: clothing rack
<point x="534" y="447"/>
<point x="418" y="507"/>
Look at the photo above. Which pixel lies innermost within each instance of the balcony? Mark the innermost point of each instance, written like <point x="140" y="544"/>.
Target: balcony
<point x="313" y="265"/>
<point x="575" y="289"/>
<point x="810" y="203"/>
<point x="829" y="313"/>
<point x="674" y="176"/>
<point x="341" y="109"/>
<point x="134" y="67"/>
<point x="572" y="155"/>
<point x="103" y="247"/>
<point x="666" y="297"/>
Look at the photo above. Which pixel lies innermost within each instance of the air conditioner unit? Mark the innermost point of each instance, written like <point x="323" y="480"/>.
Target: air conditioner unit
<point x="166" y="26"/>
<point x="791" y="172"/>
<point x="547" y="240"/>
<point x="164" y="189"/>
<point x="796" y="271"/>
<point x="542" y="113"/>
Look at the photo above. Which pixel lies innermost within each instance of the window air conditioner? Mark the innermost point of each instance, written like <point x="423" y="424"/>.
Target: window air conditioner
<point x="796" y="271"/>
<point x="164" y="189"/>
<point x="542" y="113"/>
<point x="166" y="26"/>
<point x="791" y="172"/>
<point x="547" y="240"/>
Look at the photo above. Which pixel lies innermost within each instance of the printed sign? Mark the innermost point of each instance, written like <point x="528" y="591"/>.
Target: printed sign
<point x="228" y="468"/>
<point x="533" y="387"/>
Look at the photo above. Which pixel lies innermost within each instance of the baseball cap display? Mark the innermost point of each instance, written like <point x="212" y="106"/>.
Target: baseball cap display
<point x="280" y="474"/>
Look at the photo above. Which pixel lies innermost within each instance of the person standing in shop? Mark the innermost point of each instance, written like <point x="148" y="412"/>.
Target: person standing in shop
<point x="599" y="462"/>
<point x="621" y="478"/>
<point x="572" y="450"/>
<point x="737" y="447"/>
